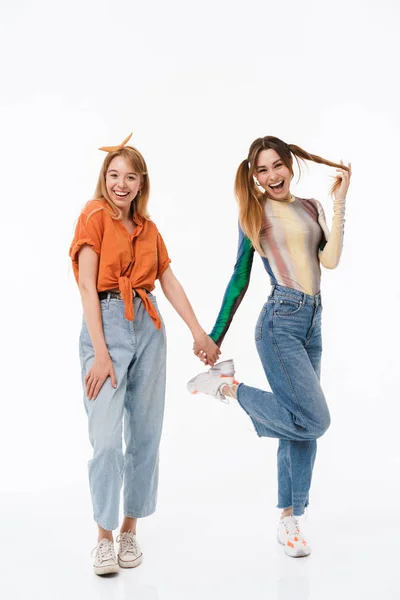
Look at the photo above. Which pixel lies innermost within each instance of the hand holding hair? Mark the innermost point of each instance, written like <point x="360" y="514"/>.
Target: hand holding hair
<point x="342" y="183"/>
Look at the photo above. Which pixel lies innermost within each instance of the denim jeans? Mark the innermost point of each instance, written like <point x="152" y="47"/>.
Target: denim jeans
<point x="138" y="353"/>
<point x="288" y="339"/>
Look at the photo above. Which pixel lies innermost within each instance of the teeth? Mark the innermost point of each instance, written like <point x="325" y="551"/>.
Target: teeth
<point x="273" y="185"/>
<point x="122" y="194"/>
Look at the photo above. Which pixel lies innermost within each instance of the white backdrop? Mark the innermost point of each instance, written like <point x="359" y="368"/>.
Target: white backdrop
<point x="196" y="83"/>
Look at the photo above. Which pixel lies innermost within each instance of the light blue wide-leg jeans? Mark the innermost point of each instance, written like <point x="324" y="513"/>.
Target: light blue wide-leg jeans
<point x="135" y="408"/>
<point x="288" y="339"/>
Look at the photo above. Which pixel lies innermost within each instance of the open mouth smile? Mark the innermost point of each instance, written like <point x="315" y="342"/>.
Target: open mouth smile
<point x="121" y="194"/>
<point x="276" y="187"/>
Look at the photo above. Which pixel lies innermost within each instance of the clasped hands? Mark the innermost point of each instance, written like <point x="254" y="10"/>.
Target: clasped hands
<point x="206" y="349"/>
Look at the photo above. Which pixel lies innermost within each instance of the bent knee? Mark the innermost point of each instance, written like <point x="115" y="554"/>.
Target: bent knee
<point x="316" y="426"/>
<point x="322" y="425"/>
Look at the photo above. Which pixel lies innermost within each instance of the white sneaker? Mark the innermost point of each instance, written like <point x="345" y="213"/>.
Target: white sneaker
<point x="211" y="382"/>
<point x="129" y="553"/>
<point x="289" y="535"/>
<point x="105" y="560"/>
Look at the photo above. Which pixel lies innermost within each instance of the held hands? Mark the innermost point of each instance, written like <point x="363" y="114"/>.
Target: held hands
<point x="102" y="368"/>
<point x="206" y="349"/>
<point x="343" y="178"/>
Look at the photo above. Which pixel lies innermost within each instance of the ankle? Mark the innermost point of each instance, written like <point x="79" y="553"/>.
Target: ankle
<point x="101" y="536"/>
<point x="104" y="534"/>
<point x="129" y="525"/>
<point x="287" y="512"/>
<point x="229" y="391"/>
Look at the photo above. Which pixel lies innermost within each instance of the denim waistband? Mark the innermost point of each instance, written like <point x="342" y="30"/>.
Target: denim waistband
<point x="277" y="290"/>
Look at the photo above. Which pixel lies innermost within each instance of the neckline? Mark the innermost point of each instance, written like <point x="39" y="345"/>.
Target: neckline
<point x="139" y="226"/>
<point x="293" y="199"/>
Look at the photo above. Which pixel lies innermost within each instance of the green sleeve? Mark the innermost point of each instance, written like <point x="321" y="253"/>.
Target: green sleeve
<point x="236" y="289"/>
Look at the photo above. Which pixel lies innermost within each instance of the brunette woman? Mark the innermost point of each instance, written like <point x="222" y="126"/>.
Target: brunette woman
<point x="293" y="239"/>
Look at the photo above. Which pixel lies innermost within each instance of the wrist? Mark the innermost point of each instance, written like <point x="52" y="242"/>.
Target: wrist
<point x="101" y="352"/>
<point x="198" y="333"/>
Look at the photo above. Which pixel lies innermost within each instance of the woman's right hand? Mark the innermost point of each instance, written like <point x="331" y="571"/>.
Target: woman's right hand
<point x="206" y="349"/>
<point x="101" y="368"/>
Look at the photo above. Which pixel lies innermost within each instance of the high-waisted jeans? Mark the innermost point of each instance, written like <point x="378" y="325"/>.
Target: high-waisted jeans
<point x="138" y="353"/>
<point x="288" y="339"/>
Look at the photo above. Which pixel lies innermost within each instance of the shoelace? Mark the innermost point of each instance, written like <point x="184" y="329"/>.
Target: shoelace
<point x="292" y="527"/>
<point x="128" y="543"/>
<point x="105" y="550"/>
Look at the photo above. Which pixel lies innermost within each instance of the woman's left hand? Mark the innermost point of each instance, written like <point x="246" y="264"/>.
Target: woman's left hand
<point x="344" y="175"/>
<point x="206" y="349"/>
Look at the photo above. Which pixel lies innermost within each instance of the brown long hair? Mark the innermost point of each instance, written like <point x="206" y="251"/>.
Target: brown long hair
<point x="138" y="164"/>
<point x="250" y="198"/>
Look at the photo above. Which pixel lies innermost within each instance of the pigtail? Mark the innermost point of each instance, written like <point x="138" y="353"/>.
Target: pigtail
<point x="249" y="200"/>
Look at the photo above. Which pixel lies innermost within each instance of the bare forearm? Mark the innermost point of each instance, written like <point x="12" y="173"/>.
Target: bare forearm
<point x="176" y="295"/>
<point x="92" y="312"/>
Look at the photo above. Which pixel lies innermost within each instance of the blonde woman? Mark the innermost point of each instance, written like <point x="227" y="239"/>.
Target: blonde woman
<point x="293" y="239"/>
<point x="117" y="254"/>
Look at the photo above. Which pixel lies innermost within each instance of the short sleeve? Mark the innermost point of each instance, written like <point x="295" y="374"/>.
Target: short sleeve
<point x="162" y="254"/>
<point x="89" y="230"/>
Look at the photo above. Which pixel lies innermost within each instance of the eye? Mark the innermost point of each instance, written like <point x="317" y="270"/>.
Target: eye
<point x="277" y="166"/>
<point x="263" y="171"/>
<point x="132" y="178"/>
<point x="112" y="175"/>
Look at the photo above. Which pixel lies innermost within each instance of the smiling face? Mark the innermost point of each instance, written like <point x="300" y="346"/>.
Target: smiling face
<point x="273" y="175"/>
<point x="122" y="183"/>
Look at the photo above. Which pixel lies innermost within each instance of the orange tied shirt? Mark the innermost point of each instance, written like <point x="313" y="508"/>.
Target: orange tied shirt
<point x="126" y="261"/>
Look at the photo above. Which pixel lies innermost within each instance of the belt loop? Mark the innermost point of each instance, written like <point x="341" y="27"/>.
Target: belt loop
<point x="108" y="299"/>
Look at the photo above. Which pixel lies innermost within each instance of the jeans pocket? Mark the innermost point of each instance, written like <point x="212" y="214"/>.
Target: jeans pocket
<point x="104" y="305"/>
<point x="259" y="324"/>
<point x="287" y="307"/>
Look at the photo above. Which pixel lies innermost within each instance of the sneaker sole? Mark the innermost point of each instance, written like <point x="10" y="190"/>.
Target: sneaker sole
<point x="106" y="570"/>
<point x="293" y="553"/>
<point x="124" y="564"/>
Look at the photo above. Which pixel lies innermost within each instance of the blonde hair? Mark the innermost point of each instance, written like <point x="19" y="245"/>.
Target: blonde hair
<point x="250" y="199"/>
<point x="138" y="164"/>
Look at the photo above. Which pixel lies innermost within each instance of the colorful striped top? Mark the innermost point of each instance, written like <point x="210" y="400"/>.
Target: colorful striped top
<point x="295" y="239"/>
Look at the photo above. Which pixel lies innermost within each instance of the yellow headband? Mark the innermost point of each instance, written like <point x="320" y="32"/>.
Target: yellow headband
<point x="113" y="148"/>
